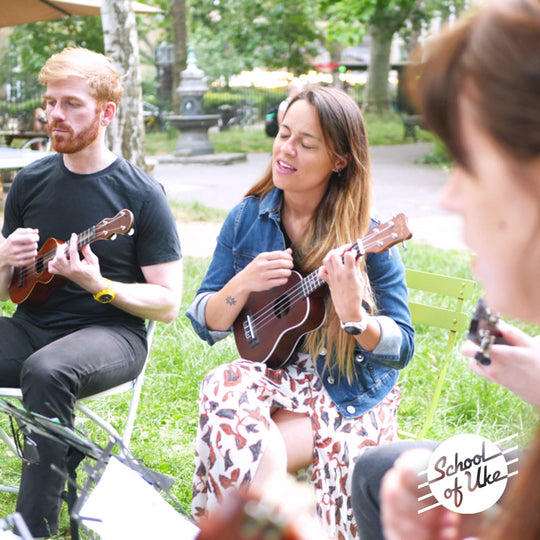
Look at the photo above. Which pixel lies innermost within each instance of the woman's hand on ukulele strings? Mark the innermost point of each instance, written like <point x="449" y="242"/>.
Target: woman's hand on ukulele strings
<point x="515" y="366"/>
<point x="341" y="271"/>
<point x="267" y="270"/>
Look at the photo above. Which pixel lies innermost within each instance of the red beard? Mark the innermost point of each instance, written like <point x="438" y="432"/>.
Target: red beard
<point x="69" y="142"/>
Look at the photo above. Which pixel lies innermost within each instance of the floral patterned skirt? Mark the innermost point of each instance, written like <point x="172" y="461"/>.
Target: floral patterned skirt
<point x="236" y="401"/>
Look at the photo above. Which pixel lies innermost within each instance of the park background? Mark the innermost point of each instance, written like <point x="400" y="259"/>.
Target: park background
<point x="233" y="42"/>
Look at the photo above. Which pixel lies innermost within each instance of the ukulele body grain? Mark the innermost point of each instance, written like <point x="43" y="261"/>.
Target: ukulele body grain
<point x="288" y="319"/>
<point x="33" y="283"/>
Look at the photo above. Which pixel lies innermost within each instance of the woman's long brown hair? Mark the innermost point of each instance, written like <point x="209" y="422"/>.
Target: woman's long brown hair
<point x="492" y="57"/>
<point x="343" y="214"/>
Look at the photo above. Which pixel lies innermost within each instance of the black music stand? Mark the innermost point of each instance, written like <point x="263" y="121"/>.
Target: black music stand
<point x="81" y="446"/>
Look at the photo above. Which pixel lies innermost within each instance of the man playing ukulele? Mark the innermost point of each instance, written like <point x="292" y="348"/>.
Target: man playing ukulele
<point x="88" y="335"/>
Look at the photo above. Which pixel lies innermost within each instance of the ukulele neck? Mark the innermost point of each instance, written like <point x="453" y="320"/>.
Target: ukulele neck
<point x="312" y="281"/>
<point x="83" y="239"/>
<point x="86" y="237"/>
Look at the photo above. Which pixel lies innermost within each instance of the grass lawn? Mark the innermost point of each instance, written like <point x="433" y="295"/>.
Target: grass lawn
<point x="167" y="418"/>
<point x="381" y="131"/>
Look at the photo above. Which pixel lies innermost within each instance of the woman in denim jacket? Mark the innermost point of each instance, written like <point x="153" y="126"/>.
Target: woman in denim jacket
<point x="336" y="395"/>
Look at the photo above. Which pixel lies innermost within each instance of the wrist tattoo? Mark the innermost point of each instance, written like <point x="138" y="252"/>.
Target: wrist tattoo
<point x="231" y="300"/>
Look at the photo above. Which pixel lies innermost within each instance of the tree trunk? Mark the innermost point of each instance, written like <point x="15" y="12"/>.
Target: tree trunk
<point x="377" y="95"/>
<point x="126" y="132"/>
<point x="178" y="8"/>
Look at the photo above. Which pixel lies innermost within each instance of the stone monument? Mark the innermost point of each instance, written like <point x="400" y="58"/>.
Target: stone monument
<point x="192" y="123"/>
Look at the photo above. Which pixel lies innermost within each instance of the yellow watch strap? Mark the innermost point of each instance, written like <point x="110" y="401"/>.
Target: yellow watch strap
<point x="106" y="295"/>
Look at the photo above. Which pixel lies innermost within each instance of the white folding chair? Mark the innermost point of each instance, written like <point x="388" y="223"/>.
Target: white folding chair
<point x="125" y="436"/>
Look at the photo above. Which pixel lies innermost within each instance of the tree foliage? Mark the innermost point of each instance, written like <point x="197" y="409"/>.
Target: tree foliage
<point x="383" y="20"/>
<point x="234" y="35"/>
<point x="229" y="36"/>
<point x="30" y="45"/>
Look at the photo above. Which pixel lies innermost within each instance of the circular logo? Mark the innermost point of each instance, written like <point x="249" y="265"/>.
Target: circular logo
<point x="467" y="474"/>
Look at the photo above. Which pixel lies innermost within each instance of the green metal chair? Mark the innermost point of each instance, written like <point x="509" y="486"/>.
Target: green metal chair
<point x="448" y="315"/>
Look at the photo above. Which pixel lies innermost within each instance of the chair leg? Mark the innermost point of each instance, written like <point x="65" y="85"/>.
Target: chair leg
<point x="9" y="489"/>
<point x="11" y="445"/>
<point x="71" y="494"/>
<point x="8" y="441"/>
<point x="434" y="401"/>
<point x="108" y="427"/>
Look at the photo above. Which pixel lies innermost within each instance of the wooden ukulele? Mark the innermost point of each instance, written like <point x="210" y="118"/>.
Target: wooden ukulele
<point x="272" y="322"/>
<point x="33" y="283"/>
<point x="247" y="516"/>
<point x="484" y="332"/>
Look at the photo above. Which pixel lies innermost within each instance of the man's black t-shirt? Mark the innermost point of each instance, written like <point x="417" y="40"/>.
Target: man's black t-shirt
<point x="47" y="196"/>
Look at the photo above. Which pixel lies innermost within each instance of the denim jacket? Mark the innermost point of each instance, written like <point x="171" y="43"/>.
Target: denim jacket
<point x="252" y="227"/>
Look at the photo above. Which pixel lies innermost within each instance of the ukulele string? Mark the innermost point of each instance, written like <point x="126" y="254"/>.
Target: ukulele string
<point x="298" y="292"/>
<point x="287" y="298"/>
<point x="83" y="239"/>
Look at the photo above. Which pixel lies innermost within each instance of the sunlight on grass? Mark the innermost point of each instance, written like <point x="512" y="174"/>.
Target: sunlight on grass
<point x="167" y="419"/>
<point x="385" y="130"/>
<point x="196" y="211"/>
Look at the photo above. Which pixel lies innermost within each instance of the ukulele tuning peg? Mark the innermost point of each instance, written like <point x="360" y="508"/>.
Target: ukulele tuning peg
<point x="131" y="232"/>
<point x="113" y="237"/>
<point x="404" y="244"/>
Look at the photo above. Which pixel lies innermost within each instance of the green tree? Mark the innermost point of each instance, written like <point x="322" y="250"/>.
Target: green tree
<point x="31" y="44"/>
<point x="126" y="132"/>
<point x="423" y="12"/>
<point x="233" y="35"/>
<point x="382" y="19"/>
<point x="180" y="48"/>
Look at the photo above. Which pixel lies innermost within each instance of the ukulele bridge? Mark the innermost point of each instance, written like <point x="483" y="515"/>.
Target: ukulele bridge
<point x="249" y="331"/>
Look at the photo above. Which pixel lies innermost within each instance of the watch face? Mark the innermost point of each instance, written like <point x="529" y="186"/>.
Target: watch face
<point x="353" y="330"/>
<point x="105" y="298"/>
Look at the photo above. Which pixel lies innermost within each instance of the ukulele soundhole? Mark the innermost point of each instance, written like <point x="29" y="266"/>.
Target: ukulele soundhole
<point x="282" y="306"/>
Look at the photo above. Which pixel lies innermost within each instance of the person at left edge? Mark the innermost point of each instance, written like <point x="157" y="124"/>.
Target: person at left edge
<point x="90" y="335"/>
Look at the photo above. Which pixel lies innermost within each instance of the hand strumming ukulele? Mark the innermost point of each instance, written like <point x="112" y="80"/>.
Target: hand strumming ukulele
<point x="484" y="332"/>
<point x="272" y="322"/>
<point x="288" y="515"/>
<point x="33" y="283"/>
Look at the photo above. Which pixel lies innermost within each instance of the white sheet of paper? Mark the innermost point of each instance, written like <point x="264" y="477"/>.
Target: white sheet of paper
<point x="8" y="535"/>
<point x="129" y="508"/>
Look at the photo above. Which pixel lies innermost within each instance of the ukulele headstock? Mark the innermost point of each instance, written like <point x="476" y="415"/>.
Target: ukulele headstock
<point x="108" y="228"/>
<point x="484" y="332"/>
<point x="385" y="235"/>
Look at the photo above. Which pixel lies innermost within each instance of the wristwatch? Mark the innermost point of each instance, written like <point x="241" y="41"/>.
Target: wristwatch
<point x="355" y="328"/>
<point x="106" y="295"/>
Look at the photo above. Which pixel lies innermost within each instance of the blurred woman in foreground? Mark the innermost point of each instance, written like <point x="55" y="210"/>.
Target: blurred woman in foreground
<point x="479" y="90"/>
